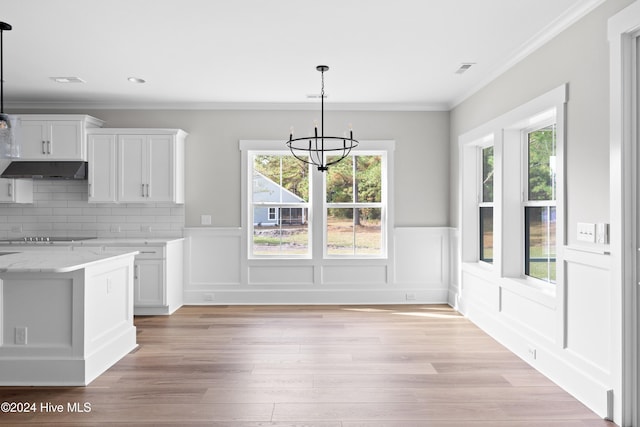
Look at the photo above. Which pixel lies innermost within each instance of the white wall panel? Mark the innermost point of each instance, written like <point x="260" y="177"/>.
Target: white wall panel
<point x="217" y="272"/>
<point x="212" y="256"/>
<point x="354" y="274"/>
<point x="525" y="313"/>
<point x="276" y="275"/>
<point x="589" y="313"/>
<point x="421" y="256"/>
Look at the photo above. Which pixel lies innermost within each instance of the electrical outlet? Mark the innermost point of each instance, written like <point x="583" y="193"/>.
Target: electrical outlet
<point x="21" y="335"/>
<point x="208" y="297"/>
<point x="145" y="228"/>
<point x="410" y="297"/>
<point x="532" y="352"/>
<point x="205" y="219"/>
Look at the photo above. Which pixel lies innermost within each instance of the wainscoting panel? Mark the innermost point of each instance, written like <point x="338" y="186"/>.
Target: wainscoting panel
<point x="421" y="256"/>
<point x="217" y="271"/>
<point x="564" y="332"/>
<point x="354" y="274"/>
<point x="589" y="313"/>
<point x="212" y="256"/>
<point x="273" y="275"/>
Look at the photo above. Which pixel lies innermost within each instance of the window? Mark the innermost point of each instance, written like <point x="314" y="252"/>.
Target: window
<point x="280" y="206"/>
<point x="354" y="207"/>
<point x="512" y="195"/>
<point x="540" y="204"/>
<point x="485" y="207"/>
<point x="291" y="210"/>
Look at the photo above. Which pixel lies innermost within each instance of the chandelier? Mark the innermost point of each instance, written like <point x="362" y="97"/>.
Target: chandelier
<point x="312" y="149"/>
<point x="6" y="131"/>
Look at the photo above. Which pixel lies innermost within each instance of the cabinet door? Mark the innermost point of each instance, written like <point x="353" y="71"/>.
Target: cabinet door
<point x="33" y="139"/>
<point x="160" y="168"/>
<point x="149" y="283"/>
<point x="51" y="140"/>
<point x="132" y="154"/>
<point x="65" y="140"/>
<point x="7" y="190"/>
<point x="102" y="168"/>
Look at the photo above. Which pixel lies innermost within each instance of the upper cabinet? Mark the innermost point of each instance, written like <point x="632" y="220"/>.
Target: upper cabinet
<point x="136" y="165"/>
<point x="54" y="137"/>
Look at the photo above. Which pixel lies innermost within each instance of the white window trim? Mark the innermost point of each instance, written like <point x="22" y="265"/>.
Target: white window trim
<point x="316" y="228"/>
<point x="383" y="204"/>
<point x="481" y="145"/>
<point x="508" y="258"/>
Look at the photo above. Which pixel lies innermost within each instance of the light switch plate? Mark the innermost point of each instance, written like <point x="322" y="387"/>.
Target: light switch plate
<point x="205" y="219"/>
<point x="586" y="232"/>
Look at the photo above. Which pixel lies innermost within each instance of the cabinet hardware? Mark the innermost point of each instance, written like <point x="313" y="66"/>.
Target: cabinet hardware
<point x="48" y="147"/>
<point x="44" y="147"/>
<point x="135" y="272"/>
<point x="10" y="188"/>
<point x="147" y="190"/>
<point x="142" y="190"/>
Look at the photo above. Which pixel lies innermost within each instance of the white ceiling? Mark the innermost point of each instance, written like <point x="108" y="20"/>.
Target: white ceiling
<point x="397" y="54"/>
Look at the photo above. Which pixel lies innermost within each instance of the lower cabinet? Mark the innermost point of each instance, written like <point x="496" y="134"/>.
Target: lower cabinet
<point x="158" y="276"/>
<point x="149" y="285"/>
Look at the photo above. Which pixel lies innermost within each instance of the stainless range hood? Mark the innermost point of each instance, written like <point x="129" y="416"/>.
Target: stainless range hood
<point x="46" y="170"/>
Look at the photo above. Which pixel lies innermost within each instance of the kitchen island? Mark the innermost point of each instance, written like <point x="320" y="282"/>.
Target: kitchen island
<point x="65" y="316"/>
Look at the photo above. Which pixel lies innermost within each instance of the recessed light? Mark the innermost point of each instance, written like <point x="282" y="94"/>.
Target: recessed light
<point x="67" y="79"/>
<point x="136" y="80"/>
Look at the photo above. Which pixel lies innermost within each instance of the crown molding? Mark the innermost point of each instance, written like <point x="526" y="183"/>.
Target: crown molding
<point x="225" y="106"/>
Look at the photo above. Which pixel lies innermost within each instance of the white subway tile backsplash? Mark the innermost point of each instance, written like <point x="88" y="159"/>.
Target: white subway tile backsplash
<point x="61" y="209"/>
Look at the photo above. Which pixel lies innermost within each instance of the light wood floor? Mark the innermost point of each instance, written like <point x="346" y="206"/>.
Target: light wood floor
<point x="337" y="366"/>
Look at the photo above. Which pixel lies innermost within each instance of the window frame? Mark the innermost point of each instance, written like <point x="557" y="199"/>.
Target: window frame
<point x="317" y="198"/>
<point x="278" y="206"/>
<point x="482" y="204"/>
<point x="527" y="203"/>
<point x="506" y="130"/>
<point x="383" y="205"/>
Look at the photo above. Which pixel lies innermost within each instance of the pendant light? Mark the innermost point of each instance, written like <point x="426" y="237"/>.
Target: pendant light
<point x="6" y="131"/>
<point x="312" y="149"/>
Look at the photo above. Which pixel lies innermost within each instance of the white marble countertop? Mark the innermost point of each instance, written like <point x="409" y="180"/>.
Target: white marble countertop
<point x="156" y="241"/>
<point x="100" y="241"/>
<point x="55" y="261"/>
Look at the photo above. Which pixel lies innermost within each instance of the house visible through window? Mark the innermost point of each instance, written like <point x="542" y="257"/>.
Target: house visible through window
<point x="540" y="204"/>
<point x="280" y="200"/>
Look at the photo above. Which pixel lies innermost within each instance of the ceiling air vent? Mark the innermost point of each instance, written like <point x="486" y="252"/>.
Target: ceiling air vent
<point x="464" y="67"/>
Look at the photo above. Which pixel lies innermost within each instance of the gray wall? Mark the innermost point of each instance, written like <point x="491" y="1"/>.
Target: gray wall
<point x="213" y="158"/>
<point x="578" y="56"/>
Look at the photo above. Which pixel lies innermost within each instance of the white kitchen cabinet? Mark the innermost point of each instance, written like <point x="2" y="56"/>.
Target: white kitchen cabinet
<point x="54" y="137"/>
<point x="102" y="173"/>
<point x="148" y="165"/>
<point x="149" y="285"/>
<point x="158" y="276"/>
<point x="16" y="190"/>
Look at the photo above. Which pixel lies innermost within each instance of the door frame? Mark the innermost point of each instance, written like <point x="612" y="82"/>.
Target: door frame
<point x="624" y="29"/>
